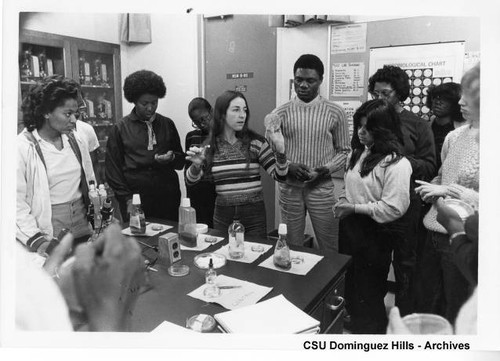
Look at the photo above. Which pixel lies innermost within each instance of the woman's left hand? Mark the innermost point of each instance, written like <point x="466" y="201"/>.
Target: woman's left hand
<point x="343" y="209"/>
<point x="276" y="140"/>
<point x="430" y="192"/>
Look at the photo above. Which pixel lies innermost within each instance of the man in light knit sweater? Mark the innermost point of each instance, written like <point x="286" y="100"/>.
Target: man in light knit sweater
<point x="317" y="143"/>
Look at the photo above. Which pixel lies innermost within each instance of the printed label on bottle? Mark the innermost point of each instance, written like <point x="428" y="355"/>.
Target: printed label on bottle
<point x="135" y="222"/>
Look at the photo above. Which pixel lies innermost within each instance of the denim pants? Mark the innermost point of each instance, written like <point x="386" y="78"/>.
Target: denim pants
<point x="251" y="215"/>
<point x="71" y="215"/>
<point x="318" y="201"/>
<point x="442" y="289"/>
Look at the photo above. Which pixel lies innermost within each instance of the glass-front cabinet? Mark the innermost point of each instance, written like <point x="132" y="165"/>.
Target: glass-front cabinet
<point x="95" y="65"/>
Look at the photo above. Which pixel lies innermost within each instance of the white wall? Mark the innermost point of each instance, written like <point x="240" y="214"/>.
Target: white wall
<point x="173" y="54"/>
<point x="99" y="27"/>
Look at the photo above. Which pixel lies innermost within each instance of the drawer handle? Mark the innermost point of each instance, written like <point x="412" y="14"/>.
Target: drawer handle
<point x="339" y="303"/>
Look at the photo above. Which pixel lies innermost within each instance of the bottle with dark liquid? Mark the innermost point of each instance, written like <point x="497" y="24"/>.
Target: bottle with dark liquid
<point x="187" y="223"/>
<point x="281" y="258"/>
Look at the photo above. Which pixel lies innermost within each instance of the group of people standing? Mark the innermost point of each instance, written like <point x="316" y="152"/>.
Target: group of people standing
<point x="390" y="165"/>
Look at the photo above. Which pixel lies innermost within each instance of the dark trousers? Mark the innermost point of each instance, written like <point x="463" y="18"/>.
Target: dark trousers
<point x="370" y="245"/>
<point x="405" y="259"/>
<point x="251" y="215"/>
<point x="159" y="191"/>
<point x="442" y="289"/>
<point x="161" y="206"/>
<point x="202" y="196"/>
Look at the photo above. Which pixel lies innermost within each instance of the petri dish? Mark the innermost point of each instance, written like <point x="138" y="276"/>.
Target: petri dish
<point x="178" y="270"/>
<point x="437" y="81"/>
<point x="427" y="82"/>
<point x="417" y="73"/>
<point x="201" y="261"/>
<point x="257" y="248"/>
<point x="201" y="323"/>
<point x="427" y="72"/>
<point x="417" y="82"/>
<point x="156" y="227"/>
<point x="463" y="209"/>
<point x="201" y="228"/>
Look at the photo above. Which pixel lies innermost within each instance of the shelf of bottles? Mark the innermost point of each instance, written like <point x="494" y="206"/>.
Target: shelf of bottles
<point x="95" y="73"/>
<point x="38" y="61"/>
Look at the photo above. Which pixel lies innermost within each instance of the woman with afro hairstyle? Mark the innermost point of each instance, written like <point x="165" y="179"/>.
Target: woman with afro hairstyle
<point x="372" y="211"/>
<point x="144" y="150"/>
<point x="392" y="84"/>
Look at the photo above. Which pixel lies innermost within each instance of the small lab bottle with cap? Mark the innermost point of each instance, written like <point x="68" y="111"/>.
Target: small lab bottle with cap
<point x="187" y="223"/>
<point x="137" y="219"/>
<point x="281" y="258"/>
<point x="211" y="289"/>
<point x="236" y="233"/>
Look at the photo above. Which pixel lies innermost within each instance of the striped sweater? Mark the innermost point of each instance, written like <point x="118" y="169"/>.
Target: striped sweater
<point x="316" y="133"/>
<point x="237" y="182"/>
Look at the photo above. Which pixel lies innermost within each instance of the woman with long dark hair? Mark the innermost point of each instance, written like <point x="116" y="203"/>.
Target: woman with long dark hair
<point x="233" y="155"/>
<point x="372" y="211"/>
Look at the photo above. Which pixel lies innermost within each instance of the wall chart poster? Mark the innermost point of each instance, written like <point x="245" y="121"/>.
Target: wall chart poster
<point x="347" y="79"/>
<point x="427" y="64"/>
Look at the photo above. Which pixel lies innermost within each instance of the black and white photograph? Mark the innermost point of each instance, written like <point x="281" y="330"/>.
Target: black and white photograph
<point x="220" y="180"/>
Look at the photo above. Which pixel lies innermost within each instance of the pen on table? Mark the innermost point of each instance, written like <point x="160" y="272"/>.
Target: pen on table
<point x="221" y="329"/>
<point x="228" y="287"/>
<point x="147" y="245"/>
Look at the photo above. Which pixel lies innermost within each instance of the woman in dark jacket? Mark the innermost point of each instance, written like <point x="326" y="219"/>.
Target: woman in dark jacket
<point x="144" y="150"/>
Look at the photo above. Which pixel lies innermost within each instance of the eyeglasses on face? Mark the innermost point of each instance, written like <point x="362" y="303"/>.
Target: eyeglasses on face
<point x="386" y="93"/>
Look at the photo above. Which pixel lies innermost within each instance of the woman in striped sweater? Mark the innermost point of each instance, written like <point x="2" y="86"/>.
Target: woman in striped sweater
<point x="233" y="155"/>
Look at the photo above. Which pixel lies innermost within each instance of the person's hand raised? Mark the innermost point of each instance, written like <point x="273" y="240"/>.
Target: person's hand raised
<point x="196" y="155"/>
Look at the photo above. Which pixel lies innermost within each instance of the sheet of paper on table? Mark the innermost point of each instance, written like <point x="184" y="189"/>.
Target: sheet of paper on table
<point x="151" y="230"/>
<point x="302" y="263"/>
<point x="247" y="293"/>
<point x="276" y="315"/>
<point x="201" y="242"/>
<point x="169" y="327"/>
<point x="252" y="252"/>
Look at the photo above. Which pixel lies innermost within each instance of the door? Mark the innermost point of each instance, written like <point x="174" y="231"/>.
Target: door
<point x="240" y="54"/>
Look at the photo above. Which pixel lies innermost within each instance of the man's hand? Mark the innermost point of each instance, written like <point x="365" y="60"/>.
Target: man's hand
<point x="58" y="256"/>
<point x="318" y="174"/>
<point x="107" y="276"/>
<point x="448" y="218"/>
<point x="299" y="171"/>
